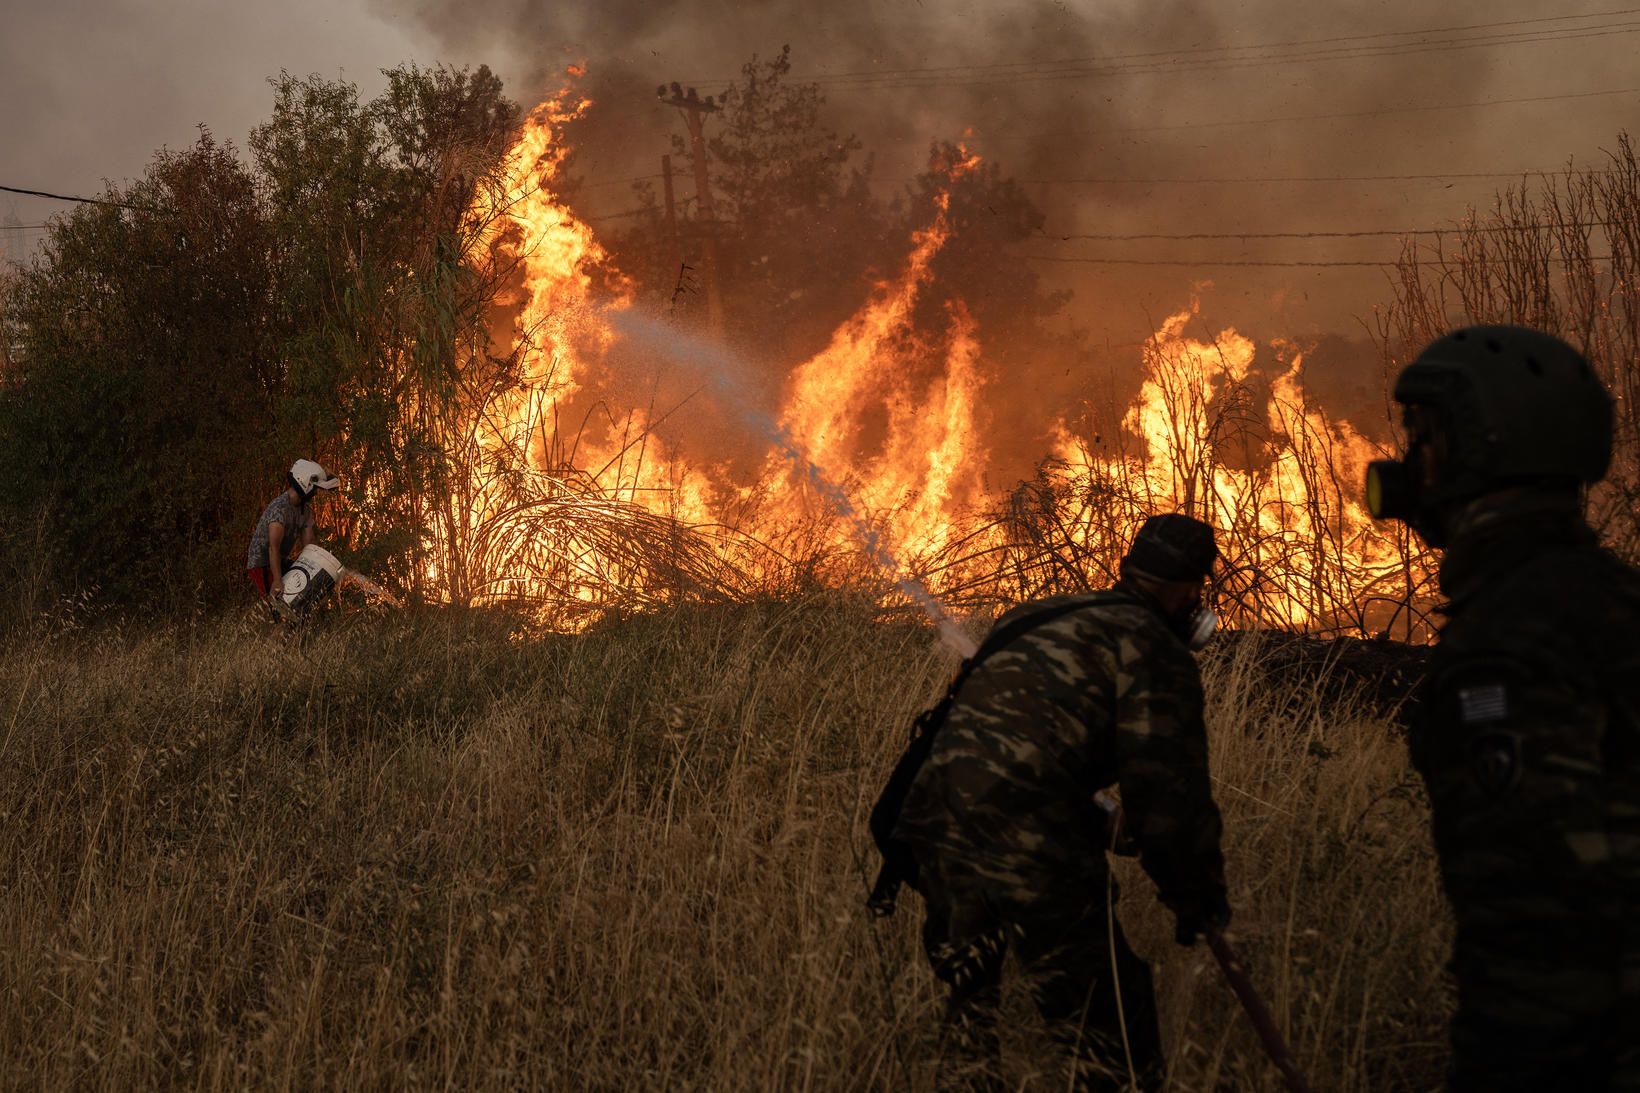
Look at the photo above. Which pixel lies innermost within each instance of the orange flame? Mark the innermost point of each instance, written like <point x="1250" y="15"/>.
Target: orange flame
<point x="927" y="470"/>
<point x="913" y="451"/>
<point x="1300" y="546"/>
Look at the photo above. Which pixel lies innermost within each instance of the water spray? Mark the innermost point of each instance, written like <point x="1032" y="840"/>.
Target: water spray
<point x="369" y="587"/>
<point x="721" y="365"/>
<point x="315" y="574"/>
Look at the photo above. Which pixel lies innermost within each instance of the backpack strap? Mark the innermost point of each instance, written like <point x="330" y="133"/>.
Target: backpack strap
<point x="899" y="867"/>
<point x="1001" y="637"/>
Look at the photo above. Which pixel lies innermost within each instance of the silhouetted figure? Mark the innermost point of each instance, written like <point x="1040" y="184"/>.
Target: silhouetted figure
<point x="1528" y="734"/>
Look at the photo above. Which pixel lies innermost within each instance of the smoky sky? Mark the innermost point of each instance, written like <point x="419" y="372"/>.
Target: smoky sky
<point x="1325" y="113"/>
<point x="92" y="87"/>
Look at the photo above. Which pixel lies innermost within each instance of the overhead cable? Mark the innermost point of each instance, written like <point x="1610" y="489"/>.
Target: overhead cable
<point x="82" y="200"/>
<point x="1053" y="74"/>
<point x="1235" y="262"/>
<point x="1362" y="234"/>
<point x="1204" y="50"/>
<point x="1112" y="180"/>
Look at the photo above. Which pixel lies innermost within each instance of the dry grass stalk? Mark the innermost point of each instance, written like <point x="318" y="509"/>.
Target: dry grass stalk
<point x="418" y="853"/>
<point x="1284" y="499"/>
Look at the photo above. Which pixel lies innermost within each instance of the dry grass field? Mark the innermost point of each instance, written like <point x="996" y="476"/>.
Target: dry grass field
<point x="416" y="852"/>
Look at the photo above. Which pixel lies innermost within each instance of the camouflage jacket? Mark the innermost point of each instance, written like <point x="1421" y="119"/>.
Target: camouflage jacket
<point x="1103" y="696"/>
<point x="1528" y="737"/>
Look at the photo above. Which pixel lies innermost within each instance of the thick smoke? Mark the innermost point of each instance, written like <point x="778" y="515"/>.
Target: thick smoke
<point x="1040" y="124"/>
<point x="1032" y="117"/>
<point x="1192" y="117"/>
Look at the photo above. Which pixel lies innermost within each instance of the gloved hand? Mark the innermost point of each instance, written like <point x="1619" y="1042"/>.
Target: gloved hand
<point x="1118" y="840"/>
<point x="1194" y="920"/>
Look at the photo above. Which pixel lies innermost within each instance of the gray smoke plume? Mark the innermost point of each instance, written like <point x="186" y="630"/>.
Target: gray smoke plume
<point x="1344" y="94"/>
<point x="1015" y="76"/>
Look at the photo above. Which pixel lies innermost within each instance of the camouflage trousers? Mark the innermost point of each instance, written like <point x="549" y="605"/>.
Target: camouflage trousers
<point x="1094" y="993"/>
<point x="1548" y="1007"/>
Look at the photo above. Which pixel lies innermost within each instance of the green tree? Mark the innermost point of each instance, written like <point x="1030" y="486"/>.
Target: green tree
<point x="180" y="343"/>
<point x="382" y="306"/>
<point x="797" y="222"/>
<point x="134" y="420"/>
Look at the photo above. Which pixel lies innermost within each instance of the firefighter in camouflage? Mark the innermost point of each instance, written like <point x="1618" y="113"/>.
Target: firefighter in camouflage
<point x="1010" y="842"/>
<point x="1528" y="729"/>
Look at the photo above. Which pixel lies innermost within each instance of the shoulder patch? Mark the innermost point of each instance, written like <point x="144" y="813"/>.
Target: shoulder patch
<point x="1483" y="703"/>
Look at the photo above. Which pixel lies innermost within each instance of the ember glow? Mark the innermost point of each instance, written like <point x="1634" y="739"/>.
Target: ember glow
<point x="910" y="454"/>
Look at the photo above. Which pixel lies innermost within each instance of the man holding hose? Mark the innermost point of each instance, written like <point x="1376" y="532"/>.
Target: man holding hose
<point x="285" y="528"/>
<point x="1070" y="696"/>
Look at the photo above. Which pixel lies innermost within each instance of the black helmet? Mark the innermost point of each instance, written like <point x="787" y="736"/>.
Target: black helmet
<point x="1503" y="406"/>
<point x="1173" y="547"/>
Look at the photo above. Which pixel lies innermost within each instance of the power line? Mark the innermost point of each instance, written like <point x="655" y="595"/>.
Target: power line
<point x="618" y="181"/>
<point x="1050" y="74"/>
<point x="82" y="200"/>
<point x="1563" y="33"/>
<point x="1114" y="181"/>
<point x="1231" y="262"/>
<point x="1383" y="112"/>
<point x="619" y="215"/>
<point x="1295" y="43"/>
<point x="1364" y="234"/>
<point x="1015" y="134"/>
<point x="1176" y="180"/>
<point x="1395" y="110"/>
<point x="1184" y="262"/>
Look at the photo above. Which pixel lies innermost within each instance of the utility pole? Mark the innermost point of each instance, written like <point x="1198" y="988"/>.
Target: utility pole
<point x="675" y="255"/>
<point x="695" y="110"/>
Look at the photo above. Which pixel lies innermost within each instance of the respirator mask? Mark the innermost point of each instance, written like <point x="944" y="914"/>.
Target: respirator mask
<point x="1397" y="488"/>
<point x="1198" y="627"/>
<point x="1194" y="625"/>
<point x="1391" y="494"/>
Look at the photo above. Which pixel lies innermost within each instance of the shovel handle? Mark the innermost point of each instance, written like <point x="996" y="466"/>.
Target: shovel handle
<point x="1275" y="1045"/>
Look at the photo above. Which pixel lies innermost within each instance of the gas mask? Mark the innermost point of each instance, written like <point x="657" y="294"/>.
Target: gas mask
<point x="1199" y="627"/>
<point x="1194" y="625"/>
<point x="1397" y="489"/>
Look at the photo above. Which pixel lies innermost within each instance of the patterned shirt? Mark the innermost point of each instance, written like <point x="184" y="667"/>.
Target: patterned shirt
<point x="294" y="518"/>
<point x="1102" y="696"/>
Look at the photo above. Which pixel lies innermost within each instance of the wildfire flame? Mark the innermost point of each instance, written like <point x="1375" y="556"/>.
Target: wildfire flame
<point x="912" y="453"/>
<point x="556" y="252"/>
<point x="1300" y="550"/>
<point x="926" y="473"/>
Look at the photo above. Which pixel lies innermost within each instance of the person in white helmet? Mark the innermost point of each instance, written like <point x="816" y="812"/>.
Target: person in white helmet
<point x="285" y="528"/>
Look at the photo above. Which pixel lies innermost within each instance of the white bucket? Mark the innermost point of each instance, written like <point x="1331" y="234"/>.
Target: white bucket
<point x="310" y="578"/>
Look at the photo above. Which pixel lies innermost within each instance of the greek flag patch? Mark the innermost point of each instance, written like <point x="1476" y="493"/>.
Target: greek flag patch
<point x="1479" y="705"/>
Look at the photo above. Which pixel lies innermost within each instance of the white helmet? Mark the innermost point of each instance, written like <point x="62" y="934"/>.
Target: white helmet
<point x="307" y="476"/>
